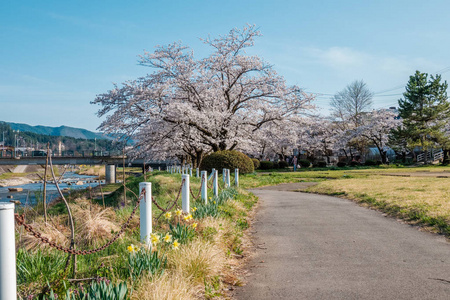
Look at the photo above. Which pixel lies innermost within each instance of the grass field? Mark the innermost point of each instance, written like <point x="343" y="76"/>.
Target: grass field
<point x="421" y="200"/>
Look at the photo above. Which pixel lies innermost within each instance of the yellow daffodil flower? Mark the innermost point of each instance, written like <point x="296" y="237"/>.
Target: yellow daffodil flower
<point x="194" y="225"/>
<point x="167" y="238"/>
<point x="132" y="248"/>
<point x="194" y="209"/>
<point x="186" y="218"/>
<point x="175" y="245"/>
<point x="214" y="202"/>
<point x="189" y="217"/>
<point x="178" y="212"/>
<point x="154" y="238"/>
<point x="168" y="215"/>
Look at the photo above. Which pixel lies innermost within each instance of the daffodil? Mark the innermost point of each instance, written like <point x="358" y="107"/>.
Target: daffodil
<point x="168" y="215"/>
<point x="132" y="248"/>
<point x="194" y="225"/>
<point x="214" y="202"/>
<point x="175" y="245"/>
<point x="154" y="238"/>
<point x="194" y="209"/>
<point x="186" y="218"/>
<point x="178" y="212"/>
<point x="167" y="238"/>
<point x="189" y="217"/>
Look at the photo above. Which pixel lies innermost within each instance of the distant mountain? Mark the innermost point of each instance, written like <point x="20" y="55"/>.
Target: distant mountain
<point x="77" y="133"/>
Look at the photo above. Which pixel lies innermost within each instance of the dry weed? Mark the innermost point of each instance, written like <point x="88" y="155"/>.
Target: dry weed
<point x="93" y="223"/>
<point x="197" y="260"/>
<point x="170" y="286"/>
<point x="55" y="231"/>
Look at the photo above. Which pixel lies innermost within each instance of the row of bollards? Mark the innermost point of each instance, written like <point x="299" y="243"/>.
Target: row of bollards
<point x="8" y="277"/>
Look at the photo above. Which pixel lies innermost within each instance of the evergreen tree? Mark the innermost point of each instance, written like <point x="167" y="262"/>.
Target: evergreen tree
<point x="425" y="110"/>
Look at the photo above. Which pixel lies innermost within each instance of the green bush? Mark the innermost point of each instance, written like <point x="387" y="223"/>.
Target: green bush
<point x="228" y="159"/>
<point x="255" y="163"/>
<point x="282" y="164"/>
<point x="370" y="162"/>
<point x="320" y="164"/>
<point x="341" y="164"/>
<point x="266" y="165"/>
<point x="304" y="163"/>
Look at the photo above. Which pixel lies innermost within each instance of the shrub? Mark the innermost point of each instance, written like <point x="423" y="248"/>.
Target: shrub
<point x="341" y="164"/>
<point x="266" y="165"/>
<point x="255" y="163"/>
<point x="354" y="163"/>
<point x="370" y="162"/>
<point x="304" y="163"/>
<point x="320" y="164"/>
<point x="228" y="159"/>
<point x="282" y="164"/>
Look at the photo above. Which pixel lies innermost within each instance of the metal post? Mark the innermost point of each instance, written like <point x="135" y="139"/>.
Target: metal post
<point x="190" y="172"/>
<point x="224" y="175"/>
<point x="228" y="178"/>
<point x="216" y="183"/>
<point x="204" y="184"/>
<point x="145" y="208"/>
<point x="8" y="285"/>
<point x="236" y="177"/>
<point x="197" y="171"/>
<point x="185" y="193"/>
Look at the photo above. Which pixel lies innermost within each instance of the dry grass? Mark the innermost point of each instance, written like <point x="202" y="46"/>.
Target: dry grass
<point x="55" y="231"/>
<point x="93" y="223"/>
<point x="170" y="286"/>
<point x="197" y="260"/>
<point x="93" y="171"/>
<point x="408" y="196"/>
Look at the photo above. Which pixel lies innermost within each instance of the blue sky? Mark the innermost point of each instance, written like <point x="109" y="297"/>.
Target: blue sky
<point x="56" y="56"/>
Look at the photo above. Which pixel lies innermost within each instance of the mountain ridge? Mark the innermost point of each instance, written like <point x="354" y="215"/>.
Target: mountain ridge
<point x="78" y="133"/>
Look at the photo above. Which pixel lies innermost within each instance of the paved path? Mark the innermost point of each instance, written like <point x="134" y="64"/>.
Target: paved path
<point x="318" y="247"/>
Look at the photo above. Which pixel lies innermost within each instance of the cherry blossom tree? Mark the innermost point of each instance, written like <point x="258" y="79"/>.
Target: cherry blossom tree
<point x="377" y="125"/>
<point x="210" y="104"/>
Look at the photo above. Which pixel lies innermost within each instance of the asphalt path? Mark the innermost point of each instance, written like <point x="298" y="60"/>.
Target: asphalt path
<point x="311" y="246"/>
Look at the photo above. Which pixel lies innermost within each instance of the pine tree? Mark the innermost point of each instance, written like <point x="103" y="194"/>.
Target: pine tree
<point x="425" y="110"/>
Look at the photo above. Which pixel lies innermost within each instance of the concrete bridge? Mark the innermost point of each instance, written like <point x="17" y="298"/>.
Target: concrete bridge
<point x="110" y="162"/>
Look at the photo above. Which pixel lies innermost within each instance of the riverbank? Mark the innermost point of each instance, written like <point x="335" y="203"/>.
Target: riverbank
<point x="15" y="181"/>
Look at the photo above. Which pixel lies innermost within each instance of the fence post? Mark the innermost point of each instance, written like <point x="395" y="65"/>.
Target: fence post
<point x="185" y="193"/>
<point x="236" y="177"/>
<point x="8" y="278"/>
<point x="145" y="208"/>
<point x="204" y="185"/>
<point x="224" y="175"/>
<point x="197" y="172"/>
<point x="228" y="178"/>
<point x="216" y="183"/>
<point x="190" y="172"/>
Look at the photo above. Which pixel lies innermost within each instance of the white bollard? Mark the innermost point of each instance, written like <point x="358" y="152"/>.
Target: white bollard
<point x="216" y="183"/>
<point x="145" y="208"/>
<point x="224" y="175"/>
<point x="204" y="184"/>
<point x="228" y="178"/>
<point x="8" y="285"/>
<point x="197" y="172"/>
<point x="190" y="172"/>
<point x="236" y="177"/>
<point x="185" y="194"/>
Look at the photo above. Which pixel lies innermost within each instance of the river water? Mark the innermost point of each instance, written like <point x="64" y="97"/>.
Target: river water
<point x="28" y="195"/>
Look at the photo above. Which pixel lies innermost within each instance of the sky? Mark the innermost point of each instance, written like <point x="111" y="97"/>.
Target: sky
<point x="56" y="56"/>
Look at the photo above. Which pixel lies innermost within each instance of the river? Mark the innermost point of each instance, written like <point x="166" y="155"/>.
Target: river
<point x="28" y="195"/>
